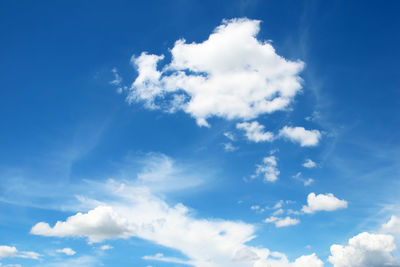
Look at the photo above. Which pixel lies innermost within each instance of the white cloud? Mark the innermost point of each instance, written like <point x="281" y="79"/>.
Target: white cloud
<point x="365" y="249"/>
<point x="323" y="202"/>
<point x="300" y="135"/>
<point x="305" y="181"/>
<point x="229" y="135"/>
<point x="268" y="169"/>
<point x="161" y="257"/>
<point x="229" y="147"/>
<point x="309" y="164"/>
<point x="12" y="252"/>
<point x="83" y="261"/>
<point x="230" y="75"/>
<point x="282" y="222"/>
<point x="66" y="251"/>
<point x="98" y="224"/>
<point x="133" y="211"/>
<point x="6" y="251"/>
<point x="117" y="78"/>
<point x="392" y="226"/>
<point x="106" y="247"/>
<point x="255" y="132"/>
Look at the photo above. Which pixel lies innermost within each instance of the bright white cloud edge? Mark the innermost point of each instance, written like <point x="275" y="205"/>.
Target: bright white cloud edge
<point x="230" y="75"/>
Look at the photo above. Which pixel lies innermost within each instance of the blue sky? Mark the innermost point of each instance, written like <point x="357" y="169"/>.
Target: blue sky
<point x="199" y="133"/>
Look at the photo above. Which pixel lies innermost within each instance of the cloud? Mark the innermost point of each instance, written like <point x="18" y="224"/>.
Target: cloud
<point x="300" y="135"/>
<point x="134" y="211"/>
<point x="392" y="226"/>
<point x="66" y="251"/>
<point x="83" y="261"/>
<point x="309" y="164"/>
<point x="255" y="132"/>
<point x="6" y="251"/>
<point x="12" y="252"/>
<point x="365" y="249"/>
<point x="106" y="247"/>
<point x="97" y="225"/>
<point x="231" y="75"/>
<point x="268" y="169"/>
<point x="229" y="147"/>
<point x="299" y="177"/>
<point x="282" y="222"/>
<point x="323" y="202"/>
<point x="160" y="257"/>
<point x="229" y="135"/>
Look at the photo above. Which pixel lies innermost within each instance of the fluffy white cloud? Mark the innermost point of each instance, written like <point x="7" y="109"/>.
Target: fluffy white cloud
<point x="392" y="226"/>
<point x="282" y="222"/>
<point x="255" y="132"/>
<point x="365" y="249"/>
<point x="66" y="251"/>
<point x="268" y="169"/>
<point x="300" y="135"/>
<point x="135" y="212"/>
<point x="98" y="224"/>
<point x="309" y="164"/>
<point x="11" y="252"/>
<point x="6" y="251"/>
<point x="323" y="202"/>
<point x="229" y="75"/>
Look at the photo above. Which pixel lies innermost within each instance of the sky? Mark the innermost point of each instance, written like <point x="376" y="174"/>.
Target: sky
<point x="241" y="133"/>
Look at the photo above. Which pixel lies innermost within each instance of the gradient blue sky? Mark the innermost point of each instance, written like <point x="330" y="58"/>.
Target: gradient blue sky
<point x="71" y="141"/>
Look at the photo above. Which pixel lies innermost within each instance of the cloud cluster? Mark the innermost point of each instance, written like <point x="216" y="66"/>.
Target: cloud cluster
<point x="282" y="222"/>
<point x="268" y="169"/>
<point x="365" y="249"/>
<point x="255" y="132"/>
<point x="230" y="75"/>
<point x="135" y="212"/>
<point x="323" y="202"/>
<point x="300" y="135"/>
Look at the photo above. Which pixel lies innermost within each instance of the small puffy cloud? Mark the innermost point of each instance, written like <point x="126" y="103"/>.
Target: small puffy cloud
<point x="300" y="135"/>
<point x="392" y="226"/>
<point x="97" y="225"/>
<point x="66" y="251"/>
<point x="106" y="247"/>
<point x="309" y="164"/>
<point x="12" y="252"/>
<point x="255" y="132"/>
<point x="231" y="75"/>
<point x="268" y="169"/>
<point x="365" y="249"/>
<point x="323" y="202"/>
<point x="229" y="147"/>
<point x="282" y="222"/>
